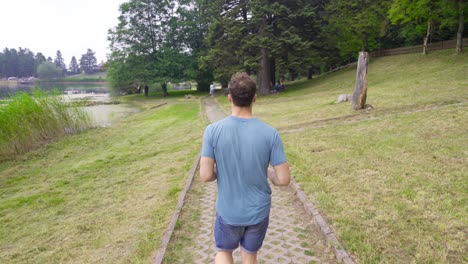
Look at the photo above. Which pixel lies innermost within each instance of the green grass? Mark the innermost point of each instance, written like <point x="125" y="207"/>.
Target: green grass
<point x="183" y="240"/>
<point x="95" y="77"/>
<point x="27" y="121"/>
<point x="102" y="196"/>
<point x="392" y="182"/>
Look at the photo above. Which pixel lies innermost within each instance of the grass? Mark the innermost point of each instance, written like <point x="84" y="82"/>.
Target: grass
<point x="102" y="196"/>
<point x="95" y="77"/>
<point x="392" y="182"/>
<point x="27" y="121"/>
<point x="180" y="249"/>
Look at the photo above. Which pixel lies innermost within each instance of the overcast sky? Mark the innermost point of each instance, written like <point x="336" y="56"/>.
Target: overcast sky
<point x="71" y="26"/>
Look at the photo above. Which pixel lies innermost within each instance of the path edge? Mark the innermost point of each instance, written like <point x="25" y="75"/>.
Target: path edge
<point x="159" y="255"/>
<point x="332" y="240"/>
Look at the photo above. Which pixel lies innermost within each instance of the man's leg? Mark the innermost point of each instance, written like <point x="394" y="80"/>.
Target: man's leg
<point x="249" y="258"/>
<point x="252" y="241"/>
<point x="224" y="257"/>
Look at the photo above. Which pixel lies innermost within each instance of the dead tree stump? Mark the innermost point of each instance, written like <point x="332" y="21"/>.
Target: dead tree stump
<point x="360" y="90"/>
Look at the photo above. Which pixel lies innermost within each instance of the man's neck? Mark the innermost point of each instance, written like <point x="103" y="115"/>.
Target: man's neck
<point x="242" y="112"/>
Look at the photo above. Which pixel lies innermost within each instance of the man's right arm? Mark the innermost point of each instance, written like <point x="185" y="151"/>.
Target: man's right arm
<point x="207" y="169"/>
<point x="280" y="175"/>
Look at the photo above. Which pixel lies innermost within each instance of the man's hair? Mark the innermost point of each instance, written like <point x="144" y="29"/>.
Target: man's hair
<point x="242" y="89"/>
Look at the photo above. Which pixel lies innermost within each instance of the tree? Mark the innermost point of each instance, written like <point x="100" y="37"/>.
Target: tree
<point x="144" y="39"/>
<point x="355" y="25"/>
<point x="417" y="17"/>
<point x="25" y="63"/>
<point x="88" y="62"/>
<point x="59" y="62"/>
<point x="255" y="36"/>
<point x="39" y="59"/>
<point x="461" y="26"/>
<point x="74" y="68"/>
<point x="49" y="71"/>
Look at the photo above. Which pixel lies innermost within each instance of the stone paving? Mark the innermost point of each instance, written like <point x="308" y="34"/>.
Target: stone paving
<point x="292" y="236"/>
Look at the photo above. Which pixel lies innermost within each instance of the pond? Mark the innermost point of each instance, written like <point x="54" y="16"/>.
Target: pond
<point x="103" y="111"/>
<point x="9" y="88"/>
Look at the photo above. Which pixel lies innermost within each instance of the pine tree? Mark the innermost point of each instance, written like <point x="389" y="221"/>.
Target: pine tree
<point x="59" y="62"/>
<point x="88" y="62"/>
<point x="74" y="68"/>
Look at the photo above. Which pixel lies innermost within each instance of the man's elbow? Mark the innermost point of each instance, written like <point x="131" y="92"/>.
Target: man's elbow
<point x="207" y="176"/>
<point x="284" y="181"/>
<point x="204" y="177"/>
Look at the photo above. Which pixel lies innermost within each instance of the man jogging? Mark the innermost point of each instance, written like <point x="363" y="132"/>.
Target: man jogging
<point x="237" y="152"/>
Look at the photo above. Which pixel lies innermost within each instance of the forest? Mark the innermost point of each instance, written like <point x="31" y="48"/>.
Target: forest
<point x="24" y="63"/>
<point x="205" y="40"/>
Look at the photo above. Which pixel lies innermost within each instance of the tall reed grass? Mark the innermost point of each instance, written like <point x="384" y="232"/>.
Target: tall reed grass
<point x="28" y="121"/>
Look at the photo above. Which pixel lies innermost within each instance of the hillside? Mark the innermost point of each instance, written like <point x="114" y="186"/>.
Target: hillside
<point x="393" y="181"/>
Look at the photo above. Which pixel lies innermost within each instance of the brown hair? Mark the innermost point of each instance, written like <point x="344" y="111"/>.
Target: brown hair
<point x="242" y="89"/>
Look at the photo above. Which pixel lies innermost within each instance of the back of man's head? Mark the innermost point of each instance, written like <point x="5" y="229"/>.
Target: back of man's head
<point x="242" y="89"/>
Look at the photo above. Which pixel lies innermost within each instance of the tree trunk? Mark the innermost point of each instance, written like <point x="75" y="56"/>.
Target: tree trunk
<point x="426" y="38"/>
<point x="292" y="74"/>
<point x="360" y="90"/>
<point x="263" y="77"/>
<point x="461" y="26"/>
<point x="309" y="73"/>
<point x="273" y="71"/>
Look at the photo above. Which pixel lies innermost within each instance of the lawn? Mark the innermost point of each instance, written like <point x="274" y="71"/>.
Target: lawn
<point x="102" y="196"/>
<point x="392" y="182"/>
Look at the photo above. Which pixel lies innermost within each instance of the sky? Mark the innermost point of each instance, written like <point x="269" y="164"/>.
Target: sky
<point x="71" y="26"/>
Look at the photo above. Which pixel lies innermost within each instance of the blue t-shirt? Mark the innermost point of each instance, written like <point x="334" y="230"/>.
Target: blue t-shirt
<point x="242" y="149"/>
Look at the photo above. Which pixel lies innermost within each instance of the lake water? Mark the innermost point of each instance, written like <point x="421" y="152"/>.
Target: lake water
<point x="7" y="89"/>
<point x="102" y="114"/>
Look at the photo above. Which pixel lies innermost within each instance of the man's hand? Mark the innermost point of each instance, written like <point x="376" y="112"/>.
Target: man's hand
<point x="207" y="169"/>
<point x="280" y="175"/>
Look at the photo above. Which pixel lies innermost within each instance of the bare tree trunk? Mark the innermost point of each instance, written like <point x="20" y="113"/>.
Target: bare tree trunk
<point x="309" y="73"/>
<point x="461" y="26"/>
<point x="263" y="77"/>
<point x="426" y="38"/>
<point x="273" y="71"/>
<point x="360" y="90"/>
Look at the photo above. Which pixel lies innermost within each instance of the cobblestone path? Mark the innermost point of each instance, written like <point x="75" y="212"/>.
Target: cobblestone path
<point x="292" y="236"/>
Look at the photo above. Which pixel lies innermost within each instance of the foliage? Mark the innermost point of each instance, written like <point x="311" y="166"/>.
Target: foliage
<point x="414" y="17"/>
<point x="59" y="62"/>
<point x="49" y="71"/>
<point x="19" y="63"/>
<point x="88" y="62"/>
<point x="29" y="121"/>
<point x="143" y="50"/>
<point x="355" y="25"/>
<point x="74" y="68"/>
<point x="201" y="40"/>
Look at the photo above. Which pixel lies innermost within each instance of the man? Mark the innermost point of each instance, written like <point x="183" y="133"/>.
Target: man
<point x="212" y="89"/>
<point x="237" y="152"/>
<point x="146" y="90"/>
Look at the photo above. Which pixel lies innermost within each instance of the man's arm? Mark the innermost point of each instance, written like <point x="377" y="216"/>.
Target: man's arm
<point x="207" y="169"/>
<point x="280" y="175"/>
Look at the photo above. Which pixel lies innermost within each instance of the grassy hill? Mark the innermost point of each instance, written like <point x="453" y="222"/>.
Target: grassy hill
<point x="393" y="182"/>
